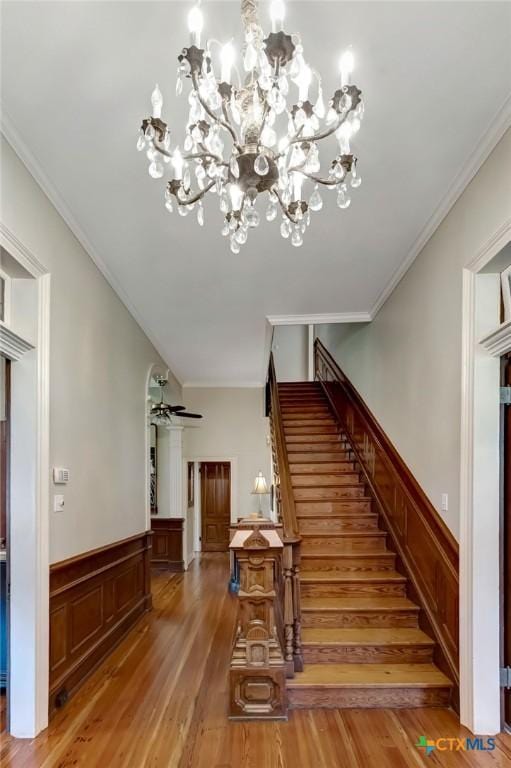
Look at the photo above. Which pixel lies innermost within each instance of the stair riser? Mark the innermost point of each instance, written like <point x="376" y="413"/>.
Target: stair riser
<point x="367" y="698"/>
<point x="305" y="410"/>
<point x="326" y="508"/>
<point x="321" y="422"/>
<point x="342" y="545"/>
<point x="367" y="654"/>
<point x="325" y="481"/>
<point x="321" y="467"/>
<point x="310" y="430"/>
<point x="352" y="589"/>
<point x="326" y="448"/>
<point x="302" y="399"/>
<point x="314" y="494"/>
<point x="335" y="525"/>
<point x="357" y="619"/>
<point x="332" y="439"/>
<point x="349" y="563"/>
<point x="318" y="457"/>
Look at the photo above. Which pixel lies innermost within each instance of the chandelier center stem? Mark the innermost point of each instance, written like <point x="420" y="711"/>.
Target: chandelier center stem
<point x="250" y="14"/>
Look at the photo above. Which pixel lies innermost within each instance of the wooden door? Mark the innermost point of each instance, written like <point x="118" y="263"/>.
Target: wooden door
<point x="215" y="505"/>
<point x="506" y="486"/>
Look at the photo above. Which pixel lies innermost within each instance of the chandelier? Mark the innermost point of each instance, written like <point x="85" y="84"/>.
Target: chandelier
<point x="248" y="135"/>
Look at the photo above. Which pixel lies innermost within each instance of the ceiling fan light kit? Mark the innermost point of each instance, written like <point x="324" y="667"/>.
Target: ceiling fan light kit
<point x="272" y="136"/>
<point x="160" y="414"/>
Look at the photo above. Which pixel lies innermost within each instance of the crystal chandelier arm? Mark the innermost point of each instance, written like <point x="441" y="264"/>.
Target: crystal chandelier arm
<point x="318" y="179"/>
<point x="194" y="156"/>
<point x="266" y="112"/>
<point x="196" y="197"/>
<point x="228" y="122"/>
<point x="283" y="206"/>
<point x="212" y="115"/>
<point x="321" y="135"/>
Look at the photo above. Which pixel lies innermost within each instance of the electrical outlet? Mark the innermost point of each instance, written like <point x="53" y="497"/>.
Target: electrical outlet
<point x="445" y="502"/>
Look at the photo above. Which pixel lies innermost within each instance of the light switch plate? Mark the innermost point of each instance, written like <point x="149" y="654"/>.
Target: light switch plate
<point x="445" y="502"/>
<point x="58" y="502"/>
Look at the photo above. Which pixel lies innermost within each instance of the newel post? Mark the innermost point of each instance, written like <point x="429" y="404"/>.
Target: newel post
<point x="257" y="679"/>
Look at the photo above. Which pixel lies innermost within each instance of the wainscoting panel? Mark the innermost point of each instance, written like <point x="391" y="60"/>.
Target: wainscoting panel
<point x="168" y="543"/>
<point x="427" y="550"/>
<point x="95" y="599"/>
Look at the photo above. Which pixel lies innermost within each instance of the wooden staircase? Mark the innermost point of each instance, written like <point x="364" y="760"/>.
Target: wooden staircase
<point x="361" y="641"/>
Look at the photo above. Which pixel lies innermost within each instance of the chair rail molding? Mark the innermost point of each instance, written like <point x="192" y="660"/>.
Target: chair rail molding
<point x="29" y="513"/>
<point x="479" y="494"/>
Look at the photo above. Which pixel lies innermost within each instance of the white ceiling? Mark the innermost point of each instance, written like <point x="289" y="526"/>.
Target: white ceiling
<point x="77" y="77"/>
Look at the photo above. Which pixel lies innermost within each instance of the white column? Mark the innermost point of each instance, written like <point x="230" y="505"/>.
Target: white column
<point x="170" y="472"/>
<point x="176" y="471"/>
<point x="310" y="351"/>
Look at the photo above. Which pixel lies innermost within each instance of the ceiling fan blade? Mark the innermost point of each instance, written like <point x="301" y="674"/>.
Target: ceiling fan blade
<point x="176" y="408"/>
<point x="190" y="415"/>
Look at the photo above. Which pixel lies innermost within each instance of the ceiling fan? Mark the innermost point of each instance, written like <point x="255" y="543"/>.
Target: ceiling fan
<point x="161" y="413"/>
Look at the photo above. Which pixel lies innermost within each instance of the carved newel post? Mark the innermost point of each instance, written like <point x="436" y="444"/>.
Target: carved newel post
<point x="257" y="670"/>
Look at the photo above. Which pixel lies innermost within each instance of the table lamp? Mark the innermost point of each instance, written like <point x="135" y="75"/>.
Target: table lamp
<point x="260" y="488"/>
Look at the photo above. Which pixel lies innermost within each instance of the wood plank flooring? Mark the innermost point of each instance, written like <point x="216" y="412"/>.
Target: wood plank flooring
<point x="160" y="701"/>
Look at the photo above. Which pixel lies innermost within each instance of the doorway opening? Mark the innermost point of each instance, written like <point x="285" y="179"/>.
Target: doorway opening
<point x="5" y="381"/>
<point x="505" y="465"/>
<point x="215" y="483"/>
<point x="486" y="337"/>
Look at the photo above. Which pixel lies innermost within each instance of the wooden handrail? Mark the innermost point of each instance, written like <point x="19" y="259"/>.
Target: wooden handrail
<point x="426" y="547"/>
<point x="405" y="476"/>
<point x="287" y="501"/>
<point x="289" y="586"/>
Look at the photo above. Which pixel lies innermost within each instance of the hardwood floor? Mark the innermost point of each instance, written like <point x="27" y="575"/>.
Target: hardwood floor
<point x="161" y="700"/>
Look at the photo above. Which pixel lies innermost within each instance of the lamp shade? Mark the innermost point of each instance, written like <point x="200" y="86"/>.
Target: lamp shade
<point x="260" y="484"/>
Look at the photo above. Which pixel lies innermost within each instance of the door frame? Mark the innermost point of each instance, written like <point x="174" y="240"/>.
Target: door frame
<point x="197" y="518"/>
<point x="28" y="550"/>
<point x="480" y="620"/>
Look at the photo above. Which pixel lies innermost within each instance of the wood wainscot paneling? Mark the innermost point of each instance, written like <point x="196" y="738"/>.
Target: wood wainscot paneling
<point x="428" y="552"/>
<point x="168" y="543"/>
<point x="95" y="599"/>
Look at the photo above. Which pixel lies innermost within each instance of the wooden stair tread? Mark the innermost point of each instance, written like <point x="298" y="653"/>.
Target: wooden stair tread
<point x="372" y="675"/>
<point x="376" y="604"/>
<point x="365" y="636"/>
<point x="341" y="501"/>
<point x="383" y="554"/>
<point x="308" y="577"/>
<point x="334" y="515"/>
<point x="346" y="535"/>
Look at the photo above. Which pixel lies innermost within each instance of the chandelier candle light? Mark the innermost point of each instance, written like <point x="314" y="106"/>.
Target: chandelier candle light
<point x="251" y="116"/>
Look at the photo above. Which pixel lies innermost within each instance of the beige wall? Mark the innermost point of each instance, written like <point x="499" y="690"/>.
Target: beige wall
<point x="407" y="363"/>
<point x="99" y="364"/>
<point x="290" y="352"/>
<point x="234" y="426"/>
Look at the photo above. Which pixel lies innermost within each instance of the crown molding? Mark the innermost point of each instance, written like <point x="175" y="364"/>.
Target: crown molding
<point x="483" y="148"/>
<point x="223" y="384"/>
<point x="498" y="342"/>
<point x="320" y="319"/>
<point x="20" y="252"/>
<point x="33" y="166"/>
<point x="13" y="346"/>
